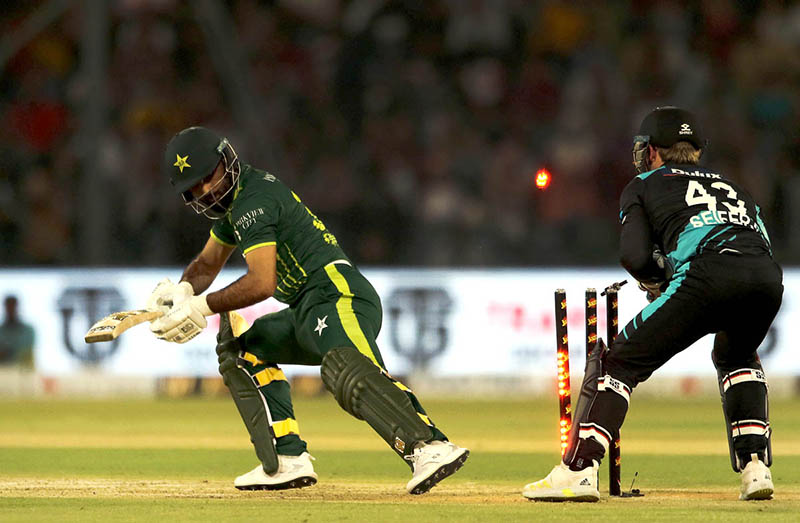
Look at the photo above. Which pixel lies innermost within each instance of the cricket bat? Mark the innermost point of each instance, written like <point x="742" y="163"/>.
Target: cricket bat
<point x="110" y="327"/>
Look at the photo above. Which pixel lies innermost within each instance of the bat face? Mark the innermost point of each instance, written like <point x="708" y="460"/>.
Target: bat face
<point x="110" y="327"/>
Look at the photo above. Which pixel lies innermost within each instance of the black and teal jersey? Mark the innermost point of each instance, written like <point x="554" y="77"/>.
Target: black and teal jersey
<point x="686" y="210"/>
<point x="266" y="212"/>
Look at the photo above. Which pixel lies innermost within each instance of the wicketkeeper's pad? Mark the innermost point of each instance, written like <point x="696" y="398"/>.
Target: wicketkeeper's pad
<point x="592" y="373"/>
<point x="745" y="403"/>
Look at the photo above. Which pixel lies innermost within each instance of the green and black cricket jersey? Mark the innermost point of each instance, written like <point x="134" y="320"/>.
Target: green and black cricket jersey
<point x="331" y="304"/>
<point x="266" y="212"/>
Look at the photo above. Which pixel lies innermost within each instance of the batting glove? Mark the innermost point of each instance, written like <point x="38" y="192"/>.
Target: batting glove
<point x="168" y="294"/>
<point x="183" y="321"/>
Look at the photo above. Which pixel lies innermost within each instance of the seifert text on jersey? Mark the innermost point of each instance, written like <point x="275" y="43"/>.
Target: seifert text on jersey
<point x="266" y="212"/>
<point x="693" y="209"/>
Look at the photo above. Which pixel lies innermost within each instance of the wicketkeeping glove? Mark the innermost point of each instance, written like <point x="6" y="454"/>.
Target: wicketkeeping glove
<point x="168" y="294"/>
<point x="183" y="321"/>
<point x="663" y="263"/>
<point x="653" y="290"/>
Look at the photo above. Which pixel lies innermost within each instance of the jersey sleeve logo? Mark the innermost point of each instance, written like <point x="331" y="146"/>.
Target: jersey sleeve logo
<point x="248" y="219"/>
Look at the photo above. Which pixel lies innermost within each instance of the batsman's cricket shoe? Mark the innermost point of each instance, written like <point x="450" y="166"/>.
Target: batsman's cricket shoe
<point x="563" y="484"/>
<point x="293" y="472"/>
<point x="432" y="462"/>
<point x="756" y="480"/>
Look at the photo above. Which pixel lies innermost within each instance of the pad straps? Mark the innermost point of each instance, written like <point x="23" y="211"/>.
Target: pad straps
<point x="366" y="392"/>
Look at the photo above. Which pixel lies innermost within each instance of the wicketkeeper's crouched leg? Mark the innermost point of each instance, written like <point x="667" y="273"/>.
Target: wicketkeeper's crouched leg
<point x="598" y="416"/>
<point x="661" y="330"/>
<point x="599" y="430"/>
<point x="598" y="413"/>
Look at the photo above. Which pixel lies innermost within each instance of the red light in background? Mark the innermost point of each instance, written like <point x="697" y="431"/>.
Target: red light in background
<point x="542" y="179"/>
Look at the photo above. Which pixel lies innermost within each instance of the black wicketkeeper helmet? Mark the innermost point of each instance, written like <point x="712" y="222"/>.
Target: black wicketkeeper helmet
<point x="664" y="127"/>
<point x="191" y="156"/>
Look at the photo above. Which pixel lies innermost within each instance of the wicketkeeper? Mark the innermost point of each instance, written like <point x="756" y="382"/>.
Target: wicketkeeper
<point x="333" y="318"/>
<point x="697" y="244"/>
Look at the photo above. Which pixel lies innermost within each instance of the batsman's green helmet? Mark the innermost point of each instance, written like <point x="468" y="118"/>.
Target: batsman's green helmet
<point x="191" y="155"/>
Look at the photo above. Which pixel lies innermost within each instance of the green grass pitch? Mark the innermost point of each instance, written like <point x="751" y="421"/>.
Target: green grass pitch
<point x="138" y="460"/>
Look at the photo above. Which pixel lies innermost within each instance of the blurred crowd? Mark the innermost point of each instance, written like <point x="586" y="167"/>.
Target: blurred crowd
<point x="414" y="129"/>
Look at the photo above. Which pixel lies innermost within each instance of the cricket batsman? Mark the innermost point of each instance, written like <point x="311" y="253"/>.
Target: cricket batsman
<point x="333" y="318"/>
<point x="697" y="244"/>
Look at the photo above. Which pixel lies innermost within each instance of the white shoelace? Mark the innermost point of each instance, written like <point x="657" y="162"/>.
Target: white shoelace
<point x="420" y="458"/>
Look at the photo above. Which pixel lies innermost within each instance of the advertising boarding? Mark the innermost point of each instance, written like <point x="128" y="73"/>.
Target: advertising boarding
<point x="444" y="323"/>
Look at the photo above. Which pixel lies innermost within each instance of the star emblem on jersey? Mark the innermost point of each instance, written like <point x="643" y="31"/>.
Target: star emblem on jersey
<point x="181" y="162"/>
<point x="321" y="325"/>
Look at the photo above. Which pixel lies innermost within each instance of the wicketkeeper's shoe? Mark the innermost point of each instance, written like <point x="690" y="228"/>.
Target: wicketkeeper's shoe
<point x="432" y="463"/>
<point x="563" y="484"/>
<point x="756" y="480"/>
<point x="293" y="472"/>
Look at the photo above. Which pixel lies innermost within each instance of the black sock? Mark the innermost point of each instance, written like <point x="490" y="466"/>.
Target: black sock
<point x="588" y="450"/>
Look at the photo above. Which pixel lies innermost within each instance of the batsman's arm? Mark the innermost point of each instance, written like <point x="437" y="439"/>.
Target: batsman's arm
<point x="202" y="271"/>
<point x="256" y="285"/>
